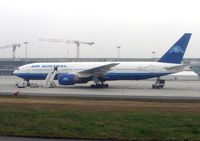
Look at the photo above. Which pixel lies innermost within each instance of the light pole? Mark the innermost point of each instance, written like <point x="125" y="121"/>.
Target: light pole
<point x="118" y="47"/>
<point x="26" y="44"/>
<point x="153" y="52"/>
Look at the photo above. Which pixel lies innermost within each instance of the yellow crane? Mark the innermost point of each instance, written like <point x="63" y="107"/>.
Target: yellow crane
<point x="13" y="46"/>
<point x="77" y="42"/>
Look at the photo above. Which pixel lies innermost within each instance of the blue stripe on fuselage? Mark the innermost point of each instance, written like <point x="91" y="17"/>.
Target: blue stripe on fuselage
<point x="31" y="76"/>
<point x="109" y="76"/>
<point x="132" y="76"/>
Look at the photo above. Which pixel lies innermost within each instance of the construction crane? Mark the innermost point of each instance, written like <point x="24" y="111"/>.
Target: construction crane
<point x="77" y="42"/>
<point x="13" y="46"/>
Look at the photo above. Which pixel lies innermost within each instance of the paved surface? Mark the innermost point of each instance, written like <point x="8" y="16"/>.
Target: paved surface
<point x="118" y="89"/>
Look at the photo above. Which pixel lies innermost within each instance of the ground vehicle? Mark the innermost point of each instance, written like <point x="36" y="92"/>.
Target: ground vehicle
<point x="34" y="85"/>
<point x="20" y="84"/>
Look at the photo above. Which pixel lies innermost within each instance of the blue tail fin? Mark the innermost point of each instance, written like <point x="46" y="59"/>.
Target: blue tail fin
<point x="176" y="52"/>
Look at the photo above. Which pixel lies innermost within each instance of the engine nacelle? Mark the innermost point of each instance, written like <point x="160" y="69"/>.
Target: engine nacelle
<point x="67" y="79"/>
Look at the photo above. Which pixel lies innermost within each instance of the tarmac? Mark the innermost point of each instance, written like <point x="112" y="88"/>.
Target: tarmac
<point x="174" y="89"/>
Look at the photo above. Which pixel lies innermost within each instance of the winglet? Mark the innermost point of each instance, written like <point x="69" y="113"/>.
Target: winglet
<point x="176" y="52"/>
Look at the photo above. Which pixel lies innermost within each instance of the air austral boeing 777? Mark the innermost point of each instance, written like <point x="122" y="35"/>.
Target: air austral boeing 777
<point x="99" y="72"/>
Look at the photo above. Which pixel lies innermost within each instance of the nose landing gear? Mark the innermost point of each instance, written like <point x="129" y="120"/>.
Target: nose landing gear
<point x="27" y="83"/>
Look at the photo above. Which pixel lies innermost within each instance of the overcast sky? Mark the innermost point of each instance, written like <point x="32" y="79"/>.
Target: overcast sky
<point x="138" y="26"/>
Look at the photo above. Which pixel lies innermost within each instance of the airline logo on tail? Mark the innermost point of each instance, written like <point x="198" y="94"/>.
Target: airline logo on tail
<point x="176" y="49"/>
<point x="176" y="52"/>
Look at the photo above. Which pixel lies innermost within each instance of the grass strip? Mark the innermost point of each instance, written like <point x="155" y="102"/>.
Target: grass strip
<point x="98" y="124"/>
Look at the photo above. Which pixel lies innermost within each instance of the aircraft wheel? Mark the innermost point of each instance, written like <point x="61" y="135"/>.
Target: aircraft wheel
<point x="97" y="85"/>
<point x="92" y="86"/>
<point x="100" y="86"/>
<point x="157" y="87"/>
<point x="106" y="85"/>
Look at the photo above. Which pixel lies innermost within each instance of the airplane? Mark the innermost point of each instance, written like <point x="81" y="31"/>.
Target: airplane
<point x="99" y="72"/>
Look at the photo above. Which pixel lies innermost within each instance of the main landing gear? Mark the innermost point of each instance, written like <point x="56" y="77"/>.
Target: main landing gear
<point x="98" y="84"/>
<point x="159" y="84"/>
<point x="27" y="83"/>
<point x="102" y="85"/>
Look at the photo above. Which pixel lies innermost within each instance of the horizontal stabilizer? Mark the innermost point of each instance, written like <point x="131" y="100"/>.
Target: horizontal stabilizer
<point x="179" y="68"/>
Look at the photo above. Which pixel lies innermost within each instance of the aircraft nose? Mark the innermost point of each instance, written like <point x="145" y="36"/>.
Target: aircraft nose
<point x="15" y="72"/>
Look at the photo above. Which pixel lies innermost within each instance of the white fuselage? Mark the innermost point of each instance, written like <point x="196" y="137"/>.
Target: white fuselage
<point x="122" y="71"/>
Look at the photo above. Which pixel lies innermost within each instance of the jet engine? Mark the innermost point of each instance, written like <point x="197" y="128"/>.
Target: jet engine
<point x="67" y="79"/>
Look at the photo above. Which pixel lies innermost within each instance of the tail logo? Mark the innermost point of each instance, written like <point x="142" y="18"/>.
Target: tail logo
<point x="176" y="49"/>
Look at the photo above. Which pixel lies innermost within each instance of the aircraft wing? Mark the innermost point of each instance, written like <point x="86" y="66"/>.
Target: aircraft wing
<point x="96" y="71"/>
<point x="179" y="68"/>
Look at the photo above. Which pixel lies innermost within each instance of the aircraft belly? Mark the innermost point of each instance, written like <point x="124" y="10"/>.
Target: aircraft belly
<point x="132" y="76"/>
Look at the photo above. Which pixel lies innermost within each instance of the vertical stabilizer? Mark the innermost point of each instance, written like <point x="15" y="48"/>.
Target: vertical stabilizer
<point x="176" y="52"/>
